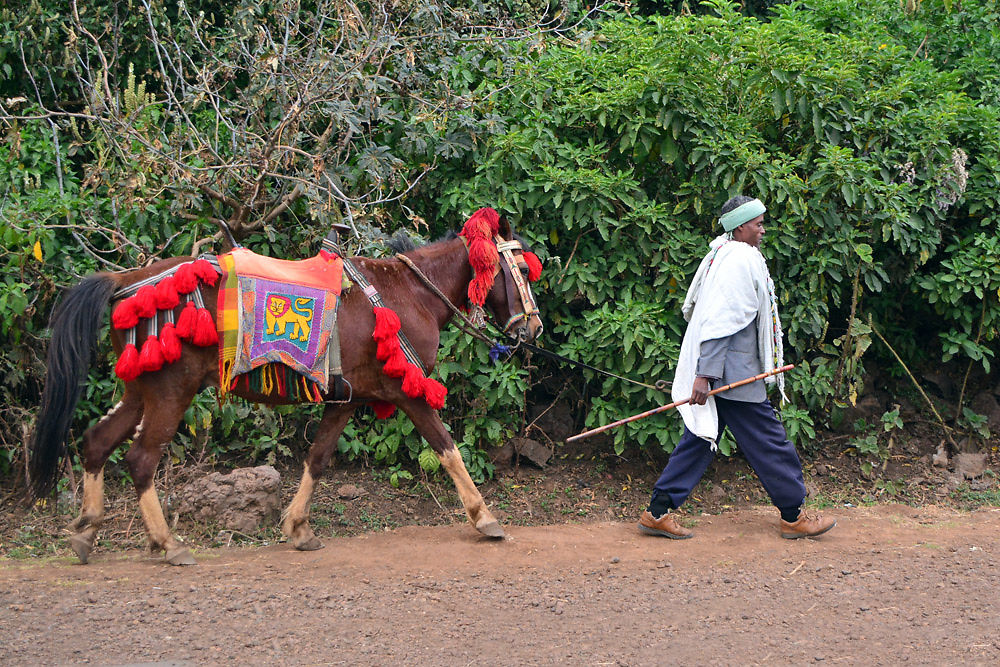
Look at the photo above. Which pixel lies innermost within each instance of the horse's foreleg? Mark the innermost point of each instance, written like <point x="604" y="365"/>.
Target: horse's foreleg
<point x="434" y="432"/>
<point x="475" y="506"/>
<point x="99" y="441"/>
<point x="159" y="423"/>
<point x="296" y="523"/>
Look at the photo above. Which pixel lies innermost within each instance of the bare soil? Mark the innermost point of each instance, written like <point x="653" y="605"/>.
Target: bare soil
<point x="908" y="575"/>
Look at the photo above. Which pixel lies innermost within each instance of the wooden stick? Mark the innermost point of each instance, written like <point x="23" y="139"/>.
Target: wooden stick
<point x="662" y="408"/>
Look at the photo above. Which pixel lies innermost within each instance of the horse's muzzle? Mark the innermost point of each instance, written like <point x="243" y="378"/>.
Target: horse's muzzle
<point x="528" y="332"/>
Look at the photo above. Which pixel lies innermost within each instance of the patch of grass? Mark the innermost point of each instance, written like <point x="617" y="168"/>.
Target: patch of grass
<point x="375" y="521"/>
<point x="969" y="498"/>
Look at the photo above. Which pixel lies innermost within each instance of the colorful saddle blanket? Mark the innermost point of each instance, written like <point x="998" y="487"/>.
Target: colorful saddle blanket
<point x="275" y="319"/>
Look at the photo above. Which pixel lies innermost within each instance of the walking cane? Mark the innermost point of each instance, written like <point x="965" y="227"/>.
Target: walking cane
<point x="662" y="408"/>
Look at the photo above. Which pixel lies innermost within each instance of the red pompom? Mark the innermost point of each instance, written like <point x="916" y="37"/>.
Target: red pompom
<point x="387" y="347"/>
<point x="386" y="323"/>
<point x="413" y="381"/>
<point x="205" y="272"/>
<point x="186" y="321"/>
<point x="205" y="333"/>
<point x="185" y="279"/>
<point x="434" y="393"/>
<point x="124" y="315"/>
<point x="167" y="297"/>
<point x="145" y="301"/>
<point x="534" y="265"/>
<point x="128" y="367"/>
<point x="396" y="366"/>
<point x="170" y="343"/>
<point x="383" y="409"/>
<point x="151" y="356"/>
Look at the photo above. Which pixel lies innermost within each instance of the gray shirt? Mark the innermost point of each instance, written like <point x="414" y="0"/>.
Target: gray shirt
<point x="731" y="359"/>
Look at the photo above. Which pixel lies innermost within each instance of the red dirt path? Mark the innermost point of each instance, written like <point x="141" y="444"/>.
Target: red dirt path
<point x="889" y="585"/>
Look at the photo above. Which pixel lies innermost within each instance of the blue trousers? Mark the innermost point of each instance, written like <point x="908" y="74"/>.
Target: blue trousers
<point x="762" y="439"/>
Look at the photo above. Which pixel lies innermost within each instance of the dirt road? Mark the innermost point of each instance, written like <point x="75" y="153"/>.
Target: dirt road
<point x="890" y="584"/>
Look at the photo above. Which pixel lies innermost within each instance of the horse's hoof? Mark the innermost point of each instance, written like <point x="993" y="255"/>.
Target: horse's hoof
<point x="181" y="556"/>
<point x="82" y="546"/>
<point x="490" y="529"/>
<point x="312" y="544"/>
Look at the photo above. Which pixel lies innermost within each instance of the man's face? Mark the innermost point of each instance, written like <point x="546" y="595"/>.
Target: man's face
<point x="751" y="231"/>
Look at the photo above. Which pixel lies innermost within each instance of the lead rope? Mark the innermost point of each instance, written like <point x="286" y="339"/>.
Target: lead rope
<point x="470" y="328"/>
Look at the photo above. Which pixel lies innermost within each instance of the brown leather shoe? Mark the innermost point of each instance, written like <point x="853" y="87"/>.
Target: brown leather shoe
<point x="665" y="526"/>
<point x="806" y="526"/>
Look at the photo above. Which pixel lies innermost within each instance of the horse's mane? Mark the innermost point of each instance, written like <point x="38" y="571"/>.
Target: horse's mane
<point x="401" y="241"/>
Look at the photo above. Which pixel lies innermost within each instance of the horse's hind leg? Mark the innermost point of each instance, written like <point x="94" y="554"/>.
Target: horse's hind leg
<point x="161" y="415"/>
<point x="98" y="442"/>
<point x="296" y="524"/>
<point x="434" y="432"/>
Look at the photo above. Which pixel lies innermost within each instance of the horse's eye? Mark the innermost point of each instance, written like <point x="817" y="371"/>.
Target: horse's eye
<point x="524" y="270"/>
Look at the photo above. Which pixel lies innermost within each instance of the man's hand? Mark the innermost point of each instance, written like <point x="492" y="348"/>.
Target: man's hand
<point x="699" y="393"/>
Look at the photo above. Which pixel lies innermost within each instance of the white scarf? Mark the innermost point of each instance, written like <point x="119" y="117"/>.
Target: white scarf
<point x="736" y="285"/>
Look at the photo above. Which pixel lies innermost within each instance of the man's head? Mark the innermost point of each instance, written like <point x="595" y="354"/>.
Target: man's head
<point x="744" y="217"/>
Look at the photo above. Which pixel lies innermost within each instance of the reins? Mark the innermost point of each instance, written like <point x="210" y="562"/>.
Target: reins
<point x="469" y="327"/>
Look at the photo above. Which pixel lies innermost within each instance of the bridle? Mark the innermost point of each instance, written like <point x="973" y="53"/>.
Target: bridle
<point x="514" y="281"/>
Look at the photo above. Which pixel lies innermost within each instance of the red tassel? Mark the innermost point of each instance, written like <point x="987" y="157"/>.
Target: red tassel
<point x="386" y="323"/>
<point x="170" y="343"/>
<point x="483" y="256"/>
<point x="124" y="315"/>
<point x="205" y="272"/>
<point x="387" y="347"/>
<point x="186" y="280"/>
<point x="534" y="265"/>
<point x="383" y="409"/>
<point x="396" y="366"/>
<point x="186" y="321"/>
<point x="413" y="381"/>
<point x="128" y="367"/>
<point x="151" y="356"/>
<point x="205" y="333"/>
<point x="167" y="297"/>
<point x="484" y="222"/>
<point x="434" y="393"/>
<point x="145" y="301"/>
<point x="478" y="292"/>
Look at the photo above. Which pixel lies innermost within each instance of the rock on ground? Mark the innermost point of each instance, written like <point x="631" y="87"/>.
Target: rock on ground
<point x="242" y="500"/>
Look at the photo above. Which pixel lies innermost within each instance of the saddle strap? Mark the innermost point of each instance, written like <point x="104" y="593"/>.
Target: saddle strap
<point x="129" y="290"/>
<point x="358" y="278"/>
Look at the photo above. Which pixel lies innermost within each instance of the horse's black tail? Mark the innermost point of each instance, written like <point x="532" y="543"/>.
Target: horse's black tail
<point x="75" y="323"/>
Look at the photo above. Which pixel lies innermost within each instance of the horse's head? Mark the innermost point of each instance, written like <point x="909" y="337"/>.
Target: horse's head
<point x="503" y="270"/>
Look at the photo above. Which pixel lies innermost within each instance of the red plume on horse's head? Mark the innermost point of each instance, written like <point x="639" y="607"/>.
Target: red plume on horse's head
<point x="479" y="231"/>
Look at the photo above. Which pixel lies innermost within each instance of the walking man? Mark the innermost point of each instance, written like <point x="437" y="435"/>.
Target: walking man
<point x="733" y="333"/>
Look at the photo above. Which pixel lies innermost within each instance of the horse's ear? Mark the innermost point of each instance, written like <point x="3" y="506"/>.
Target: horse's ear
<point x="506" y="230"/>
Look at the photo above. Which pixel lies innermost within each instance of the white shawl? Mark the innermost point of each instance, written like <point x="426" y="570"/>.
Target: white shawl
<point x="736" y="285"/>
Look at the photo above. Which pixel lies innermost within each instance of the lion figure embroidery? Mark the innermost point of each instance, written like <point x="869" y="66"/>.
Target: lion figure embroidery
<point x="281" y="312"/>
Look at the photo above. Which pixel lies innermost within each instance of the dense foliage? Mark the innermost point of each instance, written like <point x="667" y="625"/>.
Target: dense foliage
<point x="863" y="128"/>
<point x="871" y="130"/>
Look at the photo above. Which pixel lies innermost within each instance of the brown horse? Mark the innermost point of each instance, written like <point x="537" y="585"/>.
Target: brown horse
<point x="154" y="403"/>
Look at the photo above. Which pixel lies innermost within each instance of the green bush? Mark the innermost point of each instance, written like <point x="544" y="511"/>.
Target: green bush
<point x="880" y="172"/>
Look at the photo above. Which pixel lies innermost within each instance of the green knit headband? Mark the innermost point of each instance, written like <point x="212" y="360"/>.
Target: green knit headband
<point x="741" y="214"/>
